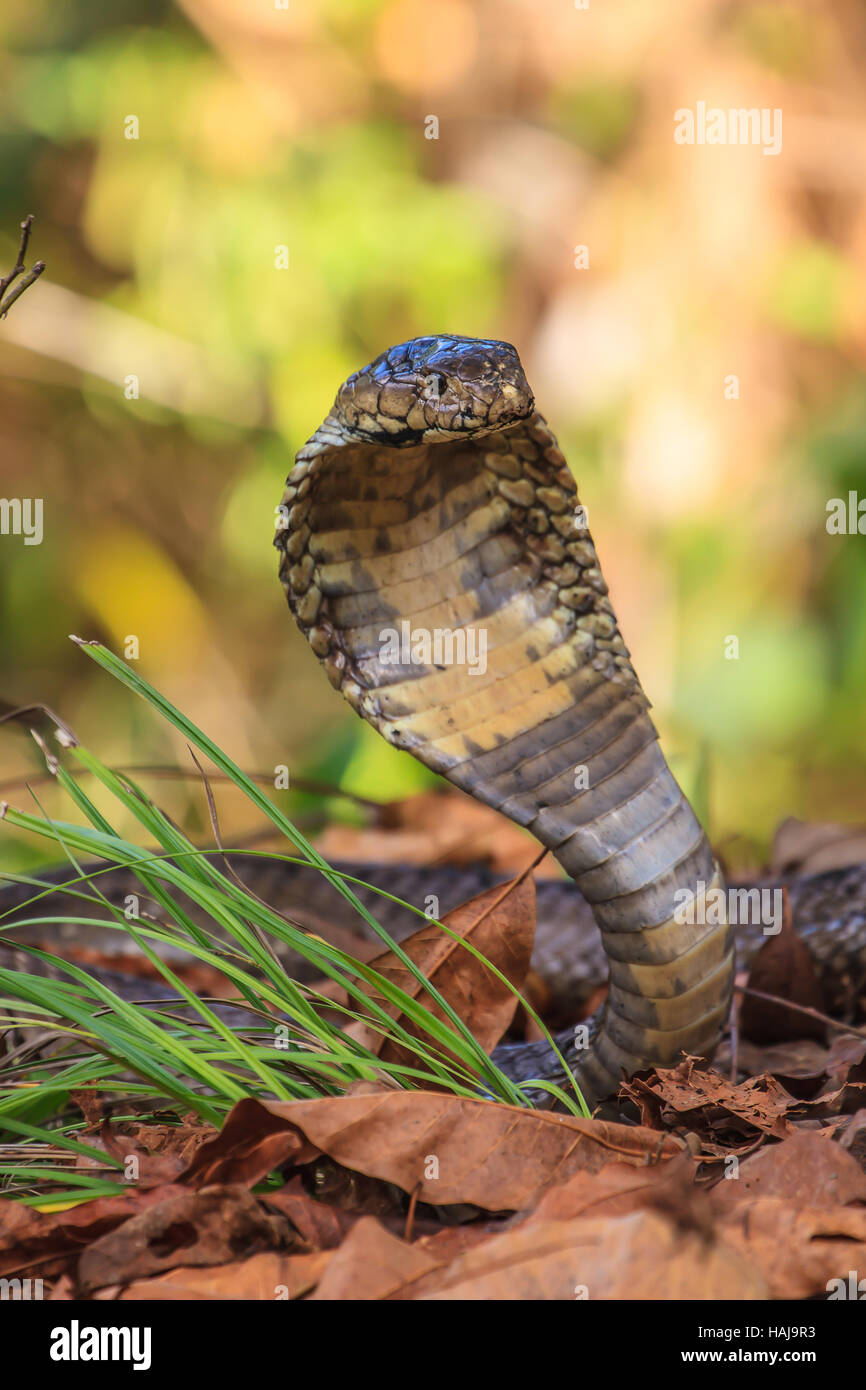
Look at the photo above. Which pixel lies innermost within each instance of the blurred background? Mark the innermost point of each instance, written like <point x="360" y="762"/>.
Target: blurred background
<point x="240" y="203"/>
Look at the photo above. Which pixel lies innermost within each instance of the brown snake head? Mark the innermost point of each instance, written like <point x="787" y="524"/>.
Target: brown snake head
<point x="433" y="388"/>
<point x="434" y="555"/>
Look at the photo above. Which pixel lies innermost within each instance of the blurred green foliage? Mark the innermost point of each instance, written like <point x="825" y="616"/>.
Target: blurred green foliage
<point x="160" y="509"/>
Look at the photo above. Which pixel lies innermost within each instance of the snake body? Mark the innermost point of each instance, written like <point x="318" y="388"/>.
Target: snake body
<point x="434" y="494"/>
<point x="434" y="499"/>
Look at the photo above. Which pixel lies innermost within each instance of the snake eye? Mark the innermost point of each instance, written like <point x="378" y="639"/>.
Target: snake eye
<point x="438" y="385"/>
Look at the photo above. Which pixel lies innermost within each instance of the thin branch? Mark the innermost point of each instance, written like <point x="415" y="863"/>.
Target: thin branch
<point x="29" y="279"/>
<point x="19" y="268"/>
<point x="168" y="773"/>
<point x="802" y="1009"/>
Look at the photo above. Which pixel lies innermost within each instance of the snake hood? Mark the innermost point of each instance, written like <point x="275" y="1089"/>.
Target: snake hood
<point x="434" y="387"/>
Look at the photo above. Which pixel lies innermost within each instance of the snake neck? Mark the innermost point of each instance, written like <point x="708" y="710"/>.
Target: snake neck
<point x="483" y="538"/>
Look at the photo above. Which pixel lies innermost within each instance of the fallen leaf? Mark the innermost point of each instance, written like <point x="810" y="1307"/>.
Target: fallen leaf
<point x="639" y="1256"/>
<point x="450" y="1241"/>
<point x="797" y="1251"/>
<point x="845" y="1061"/>
<point x="620" y="1188"/>
<point x="162" y="1151"/>
<point x="853" y="1138"/>
<point x="372" y="1264"/>
<point x="453" y="1149"/>
<point x="446" y="827"/>
<point x="193" y="1228"/>
<point x="805" y="1169"/>
<point x="267" y="1277"/>
<point x="805" y="848"/>
<point x="800" y="1063"/>
<point x="30" y="1237"/>
<point x="246" y="1149"/>
<point x="500" y="923"/>
<point x="91" y="1105"/>
<point x="63" y="1291"/>
<point x="782" y="967"/>
<point x="710" y="1102"/>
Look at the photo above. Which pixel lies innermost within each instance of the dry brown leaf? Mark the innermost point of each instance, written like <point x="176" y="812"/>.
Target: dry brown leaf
<point x="500" y="923"/>
<point x="453" y="1149"/>
<point x="803" y="847"/>
<point x="805" y="1068"/>
<point x="799" y="1064"/>
<point x="246" y="1149"/>
<point x="642" y="1255"/>
<point x="63" y="1291"/>
<point x="265" y="1277"/>
<point x="195" y="1228"/>
<point x="372" y="1264"/>
<point x="845" y="1061"/>
<point x="796" y="1251"/>
<point x="91" y="1104"/>
<point x="621" y="1188"/>
<point x="615" y="1191"/>
<point x="437" y="828"/>
<point x="853" y="1137"/>
<point x="805" y="1169"/>
<point x="448" y="1242"/>
<point x="710" y="1101"/>
<point x="783" y="967"/>
<point x="163" y="1152"/>
<point x="29" y="1237"/>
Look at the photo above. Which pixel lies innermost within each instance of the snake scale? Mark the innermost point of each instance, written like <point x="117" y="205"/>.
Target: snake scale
<point x="430" y="516"/>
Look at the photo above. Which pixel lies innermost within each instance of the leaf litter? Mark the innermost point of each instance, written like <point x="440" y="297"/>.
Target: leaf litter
<point x="746" y="1180"/>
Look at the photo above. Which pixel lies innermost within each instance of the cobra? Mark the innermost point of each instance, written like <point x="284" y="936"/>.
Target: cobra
<point x="434" y="498"/>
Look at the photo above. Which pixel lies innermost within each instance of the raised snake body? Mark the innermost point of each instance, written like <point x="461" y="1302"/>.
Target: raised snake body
<point x="434" y="499"/>
<point x="434" y="495"/>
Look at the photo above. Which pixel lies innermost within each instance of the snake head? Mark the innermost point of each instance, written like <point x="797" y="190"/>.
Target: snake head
<point x="435" y="388"/>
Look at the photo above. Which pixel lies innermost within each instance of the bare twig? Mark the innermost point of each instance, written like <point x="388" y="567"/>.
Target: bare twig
<point x="734" y="1028"/>
<point x="19" y="268"/>
<point x="167" y="773"/>
<point x="802" y="1009"/>
<point x="410" y="1215"/>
